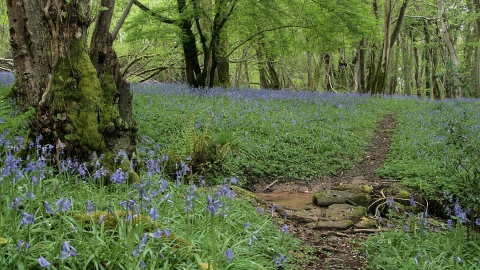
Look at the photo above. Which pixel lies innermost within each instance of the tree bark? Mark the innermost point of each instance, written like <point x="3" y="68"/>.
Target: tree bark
<point x="452" y="50"/>
<point x="78" y="107"/>
<point x="476" y="4"/>
<point x="32" y="64"/>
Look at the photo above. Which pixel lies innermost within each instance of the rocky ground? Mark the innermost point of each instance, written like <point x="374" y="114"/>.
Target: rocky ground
<point x="333" y="225"/>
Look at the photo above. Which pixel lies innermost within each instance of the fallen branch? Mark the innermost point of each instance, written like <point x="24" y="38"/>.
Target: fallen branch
<point x="273" y="183"/>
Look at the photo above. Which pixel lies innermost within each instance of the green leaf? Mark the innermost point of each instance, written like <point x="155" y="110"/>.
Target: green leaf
<point x="103" y="8"/>
<point x="67" y="137"/>
<point x="64" y="14"/>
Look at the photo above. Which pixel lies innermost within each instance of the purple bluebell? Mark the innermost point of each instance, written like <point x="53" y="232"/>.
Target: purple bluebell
<point x="48" y="210"/>
<point x="285" y="229"/>
<point x="16" y="203"/>
<point x="100" y="221"/>
<point x="229" y="255"/>
<point x="27" y="218"/>
<point x="213" y="204"/>
<point x="67" y="251"/>
<point x="63" y="204"/>
<point x="21" y="244"/>
<point x="118" y="176"/>
<point x="154" y="214"/>
<point x="157" y="234"/>
<point x="43" y="262"/>
<point x="89" y="207"/>
<point x="412" y="202"/>
<point x="247" y="225"/>
<point x="30" y="195"/>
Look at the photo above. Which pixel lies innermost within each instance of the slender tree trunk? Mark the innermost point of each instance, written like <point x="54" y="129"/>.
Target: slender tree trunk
<point x="476" y="4"/>
<point x="361" y="66"/>
<point x="452" y="51"/>
<point x="328" y="73"/>
<point x="309" y="71"/>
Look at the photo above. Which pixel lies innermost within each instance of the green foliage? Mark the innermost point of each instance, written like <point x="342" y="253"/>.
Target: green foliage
<point x="417" y="242"/>
<point x="204" y="152"/>
<point x="430" y="145"/>
<point x="284" y="134"/>
<point x="12" y="118"/>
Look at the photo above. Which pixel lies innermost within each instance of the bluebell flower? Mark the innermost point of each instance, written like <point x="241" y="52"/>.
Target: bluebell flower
<point x="21" y="244"/>
<point x="390" y="201"/>
<point x="229" y="255"/>
<point x="285" y="229"/>
<point x="47" y="207"/>
<point x="63" y="204"/>
<point x="27" y="218"/>
<point x="89" y="207"/>
<point x="67" y="251"/>
<point x="412" y="202"/>
<point x="157" y="234"/>
<point x="154" y="214"/>
<point x="100" y="220"/>
<point x="143" y="265"/>
<point x="16" y="203"/>
<point x="213" y="204"/>
<point x="477" y="222"/>
<point x="166" y="232"/>
<point x="43" y="262"/>
<point x="30" y="195"/>
<point x="247" y="225"/>
<point x="118" y="176"/>
<point x="277" y="262"/>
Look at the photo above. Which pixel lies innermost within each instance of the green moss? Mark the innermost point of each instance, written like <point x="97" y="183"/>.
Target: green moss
<point x="404" y="194"/>
<point x="78" y="92"/>
<point x="109" y="108"/>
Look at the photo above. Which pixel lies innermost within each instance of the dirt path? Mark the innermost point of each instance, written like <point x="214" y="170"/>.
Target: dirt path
<point x="330" y="249"/>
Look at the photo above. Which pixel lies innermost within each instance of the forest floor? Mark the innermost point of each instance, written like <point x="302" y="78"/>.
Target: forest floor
<point x="333" y="249"/>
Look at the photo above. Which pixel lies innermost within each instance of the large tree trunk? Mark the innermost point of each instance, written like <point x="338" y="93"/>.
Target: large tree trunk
<point x="78" y="107"/>
<point x="32" y="64"/>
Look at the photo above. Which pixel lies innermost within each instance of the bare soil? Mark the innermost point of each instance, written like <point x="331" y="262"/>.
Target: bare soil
<point x="329" y="249"/>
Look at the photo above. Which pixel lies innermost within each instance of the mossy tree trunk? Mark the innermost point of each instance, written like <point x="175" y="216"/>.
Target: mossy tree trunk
<point x="83" y="106"/>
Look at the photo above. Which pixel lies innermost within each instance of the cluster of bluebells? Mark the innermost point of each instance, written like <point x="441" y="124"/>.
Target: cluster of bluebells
<point x="214" y="203"/>
<point x="456" y="213"/>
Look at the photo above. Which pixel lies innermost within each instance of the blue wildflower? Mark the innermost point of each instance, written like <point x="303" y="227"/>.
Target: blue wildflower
<point x="47" y="207"/>
<point x="27" y="219"/>
<point x="43" y="262"/>
<point x="154" y="214"/>
<point x="229" y="255"/>
<point x="67" y="251"/>
<point x="100" y="221"/>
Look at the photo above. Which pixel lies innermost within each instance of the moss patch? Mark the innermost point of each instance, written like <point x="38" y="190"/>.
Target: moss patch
<point x="77" y="100"/>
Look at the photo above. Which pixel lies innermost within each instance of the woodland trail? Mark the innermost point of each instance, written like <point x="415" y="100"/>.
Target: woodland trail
<point x="331" y="248"/>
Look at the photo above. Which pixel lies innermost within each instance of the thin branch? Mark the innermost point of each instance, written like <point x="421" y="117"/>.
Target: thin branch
<point x="261" y="32"/>
<point x="122" y="19"/>
<point x="160" y="17"/>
